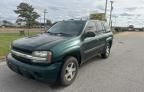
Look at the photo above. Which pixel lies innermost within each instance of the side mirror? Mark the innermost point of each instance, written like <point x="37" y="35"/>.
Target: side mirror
<point x="89" y="34"/>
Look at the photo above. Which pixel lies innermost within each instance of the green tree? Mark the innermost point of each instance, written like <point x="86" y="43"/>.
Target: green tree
<point x="26" y="14"/>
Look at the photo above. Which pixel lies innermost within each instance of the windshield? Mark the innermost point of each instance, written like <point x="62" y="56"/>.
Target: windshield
<point x="71" y="28"/>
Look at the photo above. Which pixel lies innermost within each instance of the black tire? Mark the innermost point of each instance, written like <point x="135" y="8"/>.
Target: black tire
<point x="106" y="52"/>
<point x="65" y="72"/>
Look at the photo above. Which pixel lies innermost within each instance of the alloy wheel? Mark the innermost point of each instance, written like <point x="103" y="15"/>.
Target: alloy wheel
<point x="70" y="71"/>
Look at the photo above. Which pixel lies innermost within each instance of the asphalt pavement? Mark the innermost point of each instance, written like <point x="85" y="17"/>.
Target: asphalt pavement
<point x="123" y="71"/>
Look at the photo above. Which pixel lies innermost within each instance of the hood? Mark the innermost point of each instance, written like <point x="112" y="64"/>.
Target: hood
<point x="35" y="42"/>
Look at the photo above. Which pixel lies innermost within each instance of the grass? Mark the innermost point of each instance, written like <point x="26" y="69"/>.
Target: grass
<point x="5" y="41"/>
<point x="6" y="38"/>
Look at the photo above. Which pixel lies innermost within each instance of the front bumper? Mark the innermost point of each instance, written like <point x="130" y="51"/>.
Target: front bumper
<point x="44" y="73"/>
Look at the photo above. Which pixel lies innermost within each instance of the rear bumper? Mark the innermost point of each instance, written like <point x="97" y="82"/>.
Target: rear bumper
<point x="43" y="73"/>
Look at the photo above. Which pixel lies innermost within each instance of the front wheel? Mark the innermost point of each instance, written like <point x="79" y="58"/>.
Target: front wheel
<point x="106" y="52"/>
<point x="69" y="71"/>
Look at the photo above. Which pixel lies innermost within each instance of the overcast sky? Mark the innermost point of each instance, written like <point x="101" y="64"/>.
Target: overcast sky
<point x="125" y="12"/>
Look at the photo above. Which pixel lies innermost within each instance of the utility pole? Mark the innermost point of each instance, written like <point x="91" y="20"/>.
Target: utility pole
<point x="106" y="8"/>
<point x="45" y="12"/>
<point x="110" y="20"/>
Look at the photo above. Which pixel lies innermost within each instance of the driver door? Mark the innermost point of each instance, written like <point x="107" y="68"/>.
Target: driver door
<point x="89" y="44"/>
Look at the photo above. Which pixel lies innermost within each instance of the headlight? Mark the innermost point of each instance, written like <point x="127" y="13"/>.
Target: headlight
<point x="40" y="53"/>
<point x="43" y="56"/>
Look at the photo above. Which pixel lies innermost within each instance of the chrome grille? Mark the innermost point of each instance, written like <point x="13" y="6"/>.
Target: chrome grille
<point x="21" y="50"/>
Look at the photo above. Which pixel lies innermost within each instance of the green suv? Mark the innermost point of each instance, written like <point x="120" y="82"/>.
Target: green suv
<point x="55" y="55"/>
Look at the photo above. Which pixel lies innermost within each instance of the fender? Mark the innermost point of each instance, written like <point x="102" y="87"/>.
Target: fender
<point x="61" y="53"/>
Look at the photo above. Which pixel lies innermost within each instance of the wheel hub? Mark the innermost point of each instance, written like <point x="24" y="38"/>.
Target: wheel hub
<point x="70" y="71"/>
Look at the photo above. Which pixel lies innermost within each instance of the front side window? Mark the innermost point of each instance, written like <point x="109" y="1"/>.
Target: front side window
<point x="71" y="28"/>
<point x="100" y="28"/>
<point x="91" y="27"/>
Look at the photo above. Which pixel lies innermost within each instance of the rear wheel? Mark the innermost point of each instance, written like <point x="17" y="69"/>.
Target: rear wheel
<point x="106" y="52"/>
<point x="69" y="71"/>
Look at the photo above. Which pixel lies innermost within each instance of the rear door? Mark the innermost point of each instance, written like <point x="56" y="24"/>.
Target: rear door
<point x="100" y="36"/>
<point x="108" y="33"/>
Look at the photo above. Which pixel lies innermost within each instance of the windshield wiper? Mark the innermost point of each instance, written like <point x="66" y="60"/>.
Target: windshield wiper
<point x="51" y="33"/>
<point x="60" y="33"/>
<point x="63" y="33"/>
